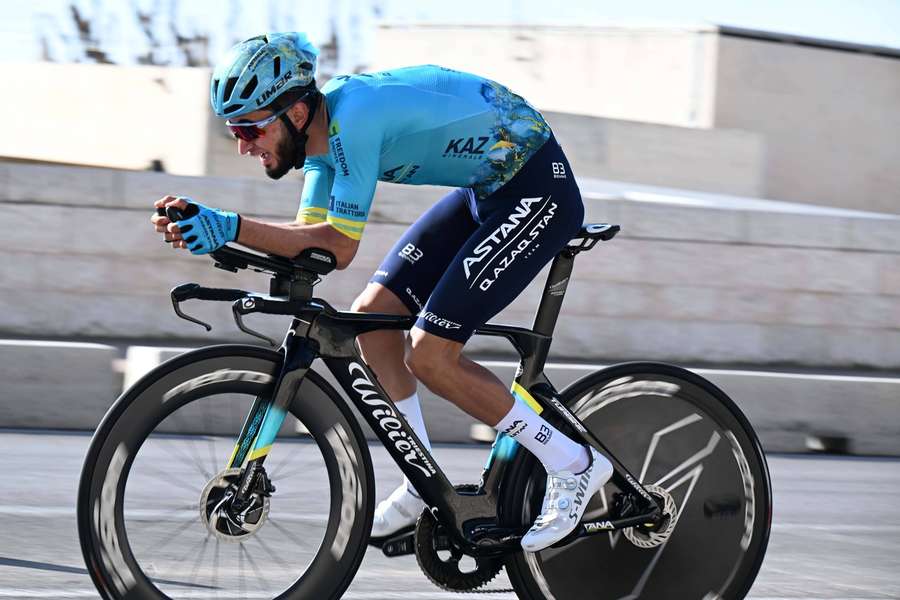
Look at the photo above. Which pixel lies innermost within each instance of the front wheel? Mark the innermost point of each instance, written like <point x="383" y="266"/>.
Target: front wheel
<point x="685" y="439"/>
<point x="155" y="477"/>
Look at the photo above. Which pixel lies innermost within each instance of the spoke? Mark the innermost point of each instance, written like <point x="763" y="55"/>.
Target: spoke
<point x="300" y="470"/>
<point x="193" y="455"/>
<point x="188" y="458"/>
<point x="242" y="584"/>
<point x="253" y="566"/>
<point x="297" y="496"/>
<point x="168" y="477"/>
<point x="143" y="525"/>
<point x="199" y="559"/>
<point x="274" y="555"/>
<point x="197" y="460"/>
<point x="215" y="580"/>
<point x="294" y="537"/>
<point x="182" y="527"/>
<point x="277" y="469"/>
<point x="300" y="460"/>
<point x="213" y="452"/>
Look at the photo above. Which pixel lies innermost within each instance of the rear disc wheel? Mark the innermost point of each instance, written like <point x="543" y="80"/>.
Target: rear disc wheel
<point x="677" y="433"/>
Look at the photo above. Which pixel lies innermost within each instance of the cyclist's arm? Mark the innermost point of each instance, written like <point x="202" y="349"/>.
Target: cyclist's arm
<point x="289" y="239"/>
<point x="335" y="203"/>
<point x="310" y="228"/>
<point x="355" y="136"/>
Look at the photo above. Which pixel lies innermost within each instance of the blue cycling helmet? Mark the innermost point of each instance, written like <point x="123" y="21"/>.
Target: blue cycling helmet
<point x="258" y="70"/>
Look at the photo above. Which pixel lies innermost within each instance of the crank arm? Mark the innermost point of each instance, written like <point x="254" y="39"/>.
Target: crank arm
<point x="593" y="527"/>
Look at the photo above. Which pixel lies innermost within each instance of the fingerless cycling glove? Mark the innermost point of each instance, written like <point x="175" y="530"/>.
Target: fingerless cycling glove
<point x="207" y="229"/>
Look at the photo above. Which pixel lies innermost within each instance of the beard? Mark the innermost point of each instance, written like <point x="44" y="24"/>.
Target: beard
<point x="282" y="156"/>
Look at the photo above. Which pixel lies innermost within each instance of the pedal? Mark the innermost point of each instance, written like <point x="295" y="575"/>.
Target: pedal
<point x="400" y="545"/>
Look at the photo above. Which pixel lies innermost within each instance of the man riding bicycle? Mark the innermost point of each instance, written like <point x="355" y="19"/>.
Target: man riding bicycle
<point x="515" y="206"/>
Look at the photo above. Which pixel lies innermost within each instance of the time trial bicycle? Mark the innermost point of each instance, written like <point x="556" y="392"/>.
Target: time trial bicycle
<point x="164" y="511"/>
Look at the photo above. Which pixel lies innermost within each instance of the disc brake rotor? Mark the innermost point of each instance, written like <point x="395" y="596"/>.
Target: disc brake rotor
<point x="215" y="508"/>
<point x="644" y="537"/>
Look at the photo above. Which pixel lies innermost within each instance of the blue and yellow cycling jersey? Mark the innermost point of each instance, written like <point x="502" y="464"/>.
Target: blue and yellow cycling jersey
<point x="416" y="125"/>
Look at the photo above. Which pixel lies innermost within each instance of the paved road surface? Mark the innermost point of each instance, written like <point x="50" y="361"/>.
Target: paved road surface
<point x="836" y="529"/>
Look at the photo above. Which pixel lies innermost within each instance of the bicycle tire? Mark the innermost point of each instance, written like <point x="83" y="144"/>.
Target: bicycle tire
<point x="636" y="412"/>
<point x="135" y="414"/>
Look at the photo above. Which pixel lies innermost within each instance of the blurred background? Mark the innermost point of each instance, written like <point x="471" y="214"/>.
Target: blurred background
<point x="750" y="152"/>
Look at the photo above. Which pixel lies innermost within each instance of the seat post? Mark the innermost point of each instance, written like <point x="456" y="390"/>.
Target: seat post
<point x="554" y="293"/>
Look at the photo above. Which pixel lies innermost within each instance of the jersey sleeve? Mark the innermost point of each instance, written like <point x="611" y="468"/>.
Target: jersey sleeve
<point x="354" y="141"/>
<point x="318" y="178"/>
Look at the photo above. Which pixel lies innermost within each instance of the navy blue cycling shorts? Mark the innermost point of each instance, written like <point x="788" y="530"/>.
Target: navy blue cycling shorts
<point x="467" y="258"/>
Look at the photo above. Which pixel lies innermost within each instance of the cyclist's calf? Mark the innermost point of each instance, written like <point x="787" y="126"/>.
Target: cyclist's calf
<point x="440" y="365"/>
<point x="384" y="350"/>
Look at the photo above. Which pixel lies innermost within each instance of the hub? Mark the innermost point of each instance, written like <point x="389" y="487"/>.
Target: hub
<point x="647" y="536"/>
<point x="225" y="520"/>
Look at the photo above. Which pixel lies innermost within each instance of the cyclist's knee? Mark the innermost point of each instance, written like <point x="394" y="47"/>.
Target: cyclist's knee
<point x="430" y="356"/>
<point x="377" y="298"/>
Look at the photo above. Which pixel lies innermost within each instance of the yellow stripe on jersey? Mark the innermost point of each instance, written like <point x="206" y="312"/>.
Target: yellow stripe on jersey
<point x="312" y="214"/>
<point x="352" y="229"/>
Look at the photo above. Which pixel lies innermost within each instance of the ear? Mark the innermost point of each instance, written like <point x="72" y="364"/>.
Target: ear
<point x="298" y="114"/>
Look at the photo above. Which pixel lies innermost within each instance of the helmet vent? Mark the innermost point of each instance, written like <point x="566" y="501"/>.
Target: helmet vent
<point x="230" y="109"/>
<point x="248" y="89"/>
<point x="215" y="86"/>
<point x="277" y="66"/>
<point x="229" y="87"/>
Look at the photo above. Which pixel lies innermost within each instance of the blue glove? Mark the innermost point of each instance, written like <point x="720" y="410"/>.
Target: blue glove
<point x="207" y="229"/>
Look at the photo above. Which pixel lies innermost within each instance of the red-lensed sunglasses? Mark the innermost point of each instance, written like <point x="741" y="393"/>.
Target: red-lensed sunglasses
<point x="250" y="130"/>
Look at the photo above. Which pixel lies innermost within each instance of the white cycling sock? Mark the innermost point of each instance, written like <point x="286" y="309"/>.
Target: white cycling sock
<point x="556" y="451"/>
<point x="412" y="411"/>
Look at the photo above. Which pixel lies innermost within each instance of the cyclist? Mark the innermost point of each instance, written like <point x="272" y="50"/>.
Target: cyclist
<point x="514" y="207"/>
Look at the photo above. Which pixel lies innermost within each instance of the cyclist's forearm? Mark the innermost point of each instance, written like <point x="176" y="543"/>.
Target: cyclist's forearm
<point x="289" y="239"/>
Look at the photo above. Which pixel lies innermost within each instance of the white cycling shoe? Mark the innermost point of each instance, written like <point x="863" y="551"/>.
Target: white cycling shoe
<point x="565" y="501"/>
<point x="399" y="511"/>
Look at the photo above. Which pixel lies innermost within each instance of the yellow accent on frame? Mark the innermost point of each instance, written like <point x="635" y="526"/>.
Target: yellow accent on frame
<point x="233" y="454"/>
<point x="257" y="453"/>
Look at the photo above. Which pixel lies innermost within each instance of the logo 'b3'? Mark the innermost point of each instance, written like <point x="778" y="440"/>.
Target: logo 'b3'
<point x="411" y="253"/>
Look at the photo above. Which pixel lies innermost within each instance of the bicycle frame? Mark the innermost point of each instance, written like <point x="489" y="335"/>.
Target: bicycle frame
<point x="320" y="331"/>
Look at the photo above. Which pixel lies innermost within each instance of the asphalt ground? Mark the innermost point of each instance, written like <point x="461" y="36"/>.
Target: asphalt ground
<point x="836" y="527"/>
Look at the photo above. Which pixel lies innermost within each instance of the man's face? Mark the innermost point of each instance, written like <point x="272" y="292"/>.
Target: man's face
<point x="275" y="148"/>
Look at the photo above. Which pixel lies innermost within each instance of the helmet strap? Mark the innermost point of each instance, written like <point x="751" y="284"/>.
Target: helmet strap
<point x="300" y="137"/>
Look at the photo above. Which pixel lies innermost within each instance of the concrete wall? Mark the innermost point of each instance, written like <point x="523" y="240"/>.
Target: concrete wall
<point x="688" y="280"/>
<point x="692" y="107"/>
<point x="107" y="116"/>
<point x="726" y="161"/>
<point x="70" y="386"/>
<point x="830" y="120"/>
<point x="614" y="72"/>
<point x="824" y="120"/>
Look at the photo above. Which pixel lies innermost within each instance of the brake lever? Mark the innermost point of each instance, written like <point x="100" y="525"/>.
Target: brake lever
<point x="246" y="306"/>
<point x="184" y="292"/>
<point x="188" y="291"/>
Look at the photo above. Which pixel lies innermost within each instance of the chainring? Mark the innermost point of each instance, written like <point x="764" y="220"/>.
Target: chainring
<point x="445" y="571"/>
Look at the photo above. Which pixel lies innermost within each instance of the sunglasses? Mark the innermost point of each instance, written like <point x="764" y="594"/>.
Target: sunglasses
<point x="250" y="130"/>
